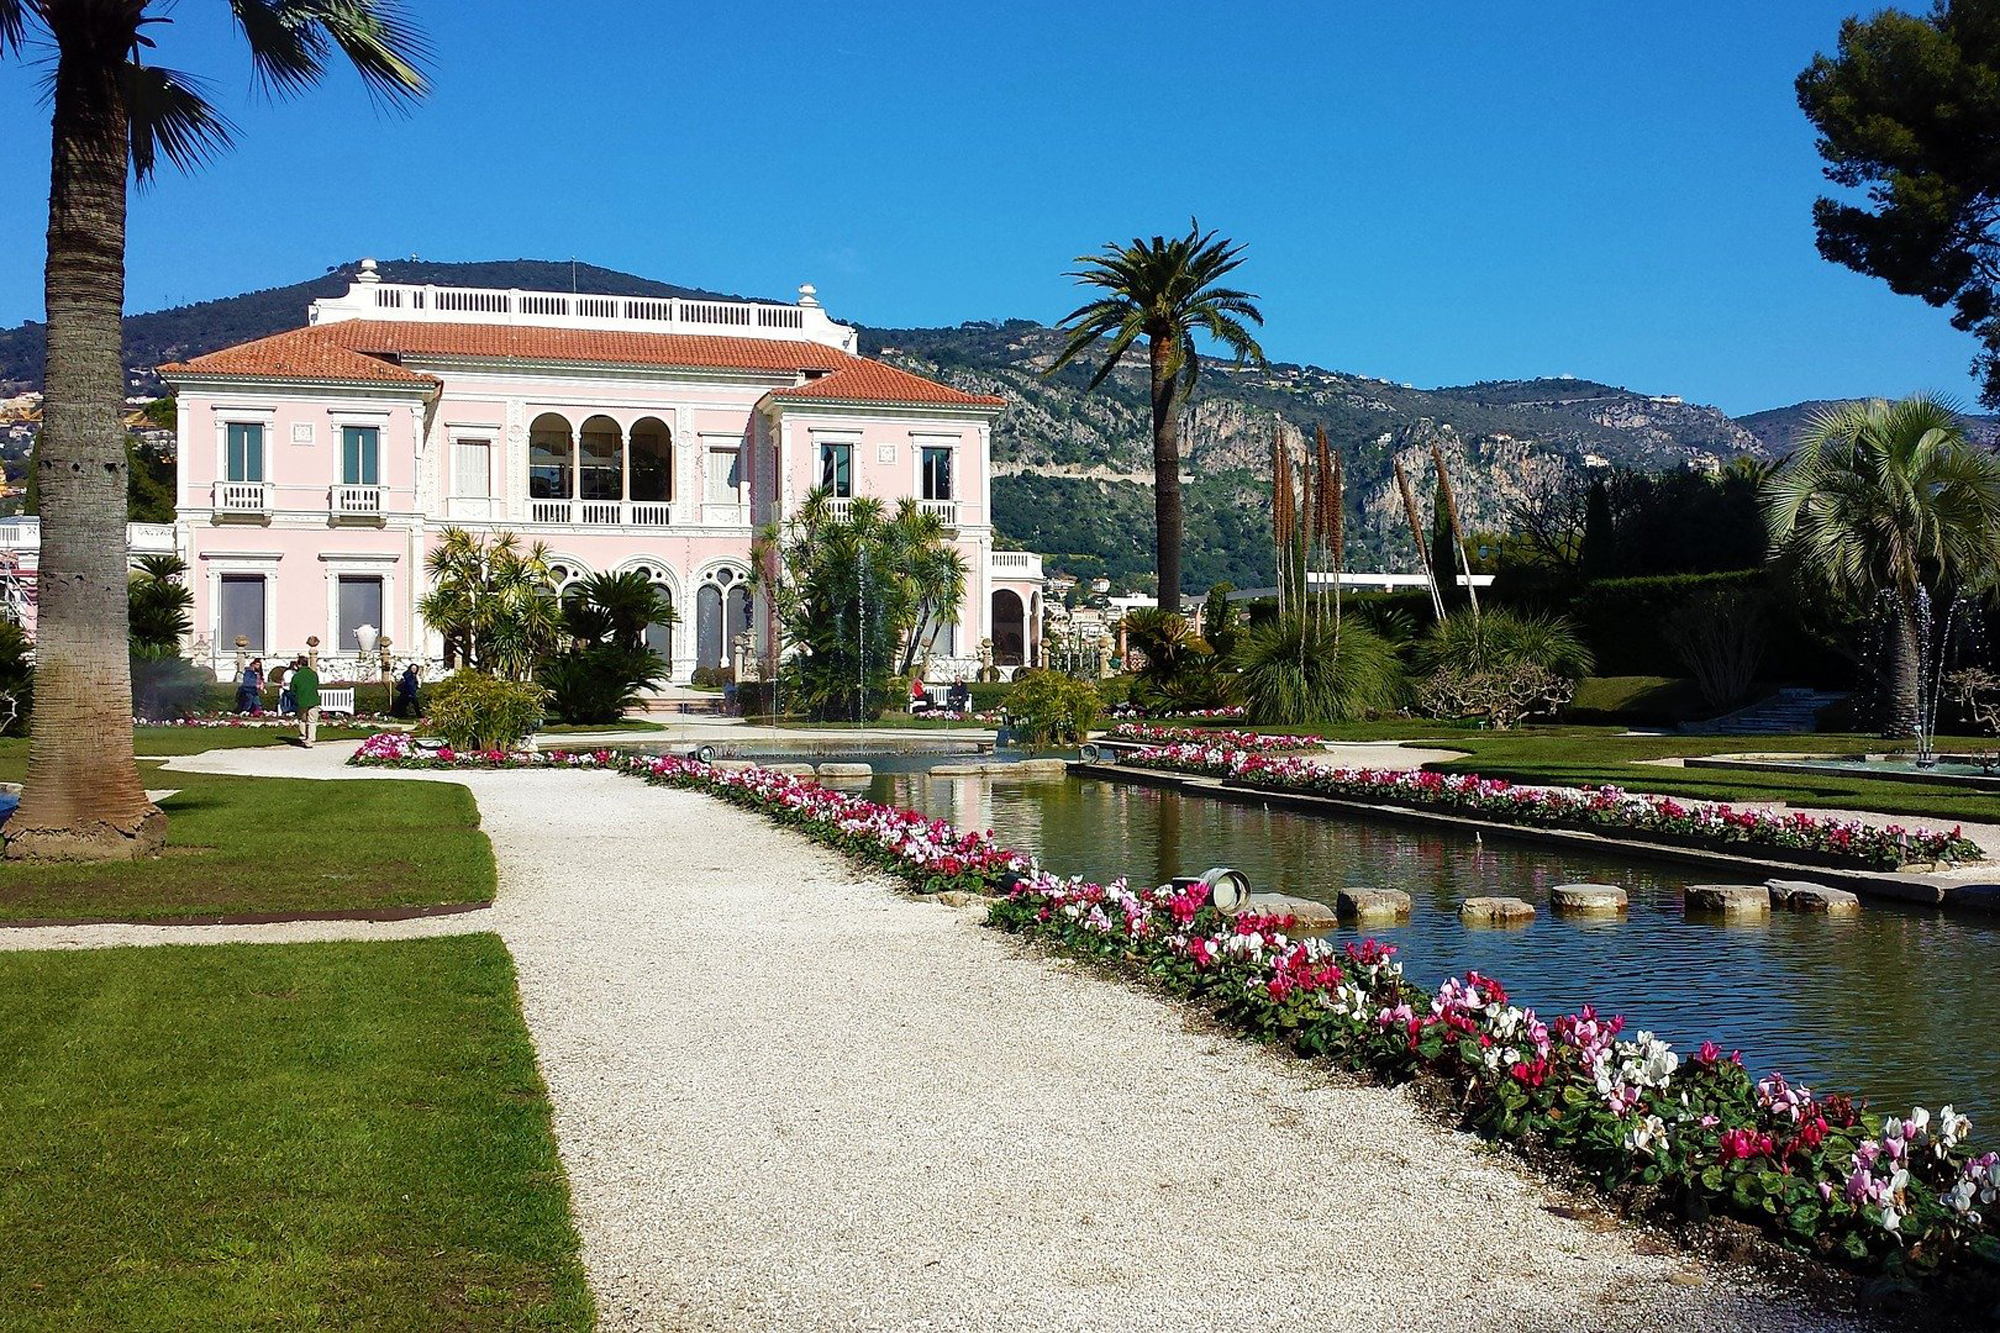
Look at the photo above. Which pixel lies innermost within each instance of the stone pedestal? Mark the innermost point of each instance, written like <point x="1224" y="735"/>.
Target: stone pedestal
<point x="1728" y="899"/>
<point x="1373" y="905"/>
<point x="1588" y="900"/>
<point x="1496" y="911"/>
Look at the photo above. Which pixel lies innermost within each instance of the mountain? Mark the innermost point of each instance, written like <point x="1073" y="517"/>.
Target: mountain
<point x="1073" y="468"/>
<point x="1778" y="428"/>
<point x="168" y="335"/>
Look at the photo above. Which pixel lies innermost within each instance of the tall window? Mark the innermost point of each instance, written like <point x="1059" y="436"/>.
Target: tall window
<point x="246" y="451"/>
<point x="725" y="474"/>
<point x="601" y="449"/>
<point x="549" y="458"/>
<point x="360" y="456"/>
<point x="937" y="473"/>
<point x="472" y="469"/>
<point x="836" y="469"/>
<point x="360" y="604"/>
<point x="241" y="612"/>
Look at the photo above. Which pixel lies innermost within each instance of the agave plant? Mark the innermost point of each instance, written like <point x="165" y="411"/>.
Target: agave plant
<point x="1296" y="670"/>
<point x="1468" y="642"/>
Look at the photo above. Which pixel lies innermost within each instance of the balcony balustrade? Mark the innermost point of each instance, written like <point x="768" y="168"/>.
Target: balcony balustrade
<point x="946" y="511"/>
<point x="602" y="513"/>
<point x="242" y="499"/>
<point x="355" y="504"/>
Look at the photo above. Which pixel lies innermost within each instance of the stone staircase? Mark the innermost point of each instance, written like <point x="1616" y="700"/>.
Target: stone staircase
<point x="1789" y="710"/>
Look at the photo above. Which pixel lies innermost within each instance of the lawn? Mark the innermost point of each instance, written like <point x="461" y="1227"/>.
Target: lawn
<point x="237" y="845"/>
<point x="278" y="1136"/>
<point x="195" y="740"/>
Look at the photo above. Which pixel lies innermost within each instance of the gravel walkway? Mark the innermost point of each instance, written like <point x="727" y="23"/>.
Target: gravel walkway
<point x="788" y="1097"/>
<point x="111" y="936"/>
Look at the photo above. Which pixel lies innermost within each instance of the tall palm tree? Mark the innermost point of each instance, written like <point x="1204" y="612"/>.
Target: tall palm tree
<point x="1890" y="498"/>
<point x="114" y="116"/>
<point x="493" y="601"/>
<point x="1164" y="290"/>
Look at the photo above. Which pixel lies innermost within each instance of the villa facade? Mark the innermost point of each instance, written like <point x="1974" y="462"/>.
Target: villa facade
<point x="318" y="467"/>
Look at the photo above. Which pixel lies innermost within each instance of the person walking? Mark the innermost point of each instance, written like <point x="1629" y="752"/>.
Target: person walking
<point x="406" y="704"/>
<point x="284" y="689"/>
<point x="250" y="687"/>
<point x="305" y="697"/>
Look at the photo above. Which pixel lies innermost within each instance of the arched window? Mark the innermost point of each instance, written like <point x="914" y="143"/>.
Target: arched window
<point x="660" y="638"/>
<point x="721" y="612"/>
<point x="652" y="461"/>
<point x="564" y="573"/>
<point x="1010" y="628"/>
<point x="551" y="458"/>
<point x="601" y="460"/>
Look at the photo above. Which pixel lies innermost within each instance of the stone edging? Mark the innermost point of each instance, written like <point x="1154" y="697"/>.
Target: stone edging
<point x="253" y="918"/>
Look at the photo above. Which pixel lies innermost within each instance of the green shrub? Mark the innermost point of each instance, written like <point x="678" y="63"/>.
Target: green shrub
<point x="475" y="711"/>
<point x="1625" y="620"/>
<point x="17" y="676"/>
<point x="1297" y="670"/>
<point x="600" y="683"/>
<point x="1636" y="700"/>
<point x="1496" y="640"/>
<point x="1049" y="708"/>
<point x="988" y="695"/>
<point x="712" y="677"/>
<point x="165" y="688"/>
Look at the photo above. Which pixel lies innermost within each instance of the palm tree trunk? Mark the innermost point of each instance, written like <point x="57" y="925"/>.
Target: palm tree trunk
<point x="83" y="799"/>
<point x="1166" y="475"/>
<point x="1899" y="718"/>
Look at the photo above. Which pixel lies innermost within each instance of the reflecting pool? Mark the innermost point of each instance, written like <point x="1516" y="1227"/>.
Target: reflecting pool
<point x="1898" y="1004"/>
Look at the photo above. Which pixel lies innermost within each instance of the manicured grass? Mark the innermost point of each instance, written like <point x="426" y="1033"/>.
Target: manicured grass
<point x="196" y="740"/>
<point x="1638" y="699"/>
<point x="278" y="1136"/>
<point x="1576" y="756"/>
<point x="584" y="728"/>
<point x="271" y="845"/>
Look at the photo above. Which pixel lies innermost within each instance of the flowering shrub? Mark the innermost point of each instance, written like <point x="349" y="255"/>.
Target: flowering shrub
<point x="399" y="749"/>
<point x="1254" y="742"/>
<point x="1692" y="1135"/>
<point x="1788" y="834"/>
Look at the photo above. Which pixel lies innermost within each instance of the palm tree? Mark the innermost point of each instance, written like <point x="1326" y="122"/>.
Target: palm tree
<point x="1891" y="500"/>
<point x="493" y="602"/>
<point x="114" y="116"/>
<point x="1165" y="290"/>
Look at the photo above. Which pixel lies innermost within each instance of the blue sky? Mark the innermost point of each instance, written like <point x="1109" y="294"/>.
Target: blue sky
<point x="1434" y="193"/>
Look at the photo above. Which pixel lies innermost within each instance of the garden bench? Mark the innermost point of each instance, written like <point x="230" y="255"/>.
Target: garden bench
<point x="337" y="701"/>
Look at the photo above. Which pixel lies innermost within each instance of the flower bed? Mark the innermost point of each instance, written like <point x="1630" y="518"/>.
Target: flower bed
<point x="1251" y="742"/>
<point x="1692" y="1137"/>
<point x="260" y="719"/>
<point x="1787" y="835"/>
<point x="399" y="749"/>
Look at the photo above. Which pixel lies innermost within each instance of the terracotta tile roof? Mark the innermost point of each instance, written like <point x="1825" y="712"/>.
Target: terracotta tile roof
<point x="361" y="350"/>
<point x="302" y="354"/>
<point x="527" y="342"/>
<point x="864" y="381"/>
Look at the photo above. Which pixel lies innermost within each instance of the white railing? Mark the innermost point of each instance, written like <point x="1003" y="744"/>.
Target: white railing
<point x="840" y="508"/>
<point x="23" y="534"/>
<point x="601" y="513"/>
<point x="946" y="510"/>
<point x="1014" y="564"/>
<point x="355" y="501"/>
<point x="368" y="298"/>
<point x="242" y="497"/>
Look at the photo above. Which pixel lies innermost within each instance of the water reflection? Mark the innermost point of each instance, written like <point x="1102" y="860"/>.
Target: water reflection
<point x="1896" y="1004"/>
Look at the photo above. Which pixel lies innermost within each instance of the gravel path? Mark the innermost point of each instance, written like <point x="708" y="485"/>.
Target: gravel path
<point x="111" y="936"/>
<point x="788" y="1097"/>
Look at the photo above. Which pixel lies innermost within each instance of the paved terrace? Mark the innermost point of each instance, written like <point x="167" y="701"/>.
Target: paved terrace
<point x="788" y="1096"/>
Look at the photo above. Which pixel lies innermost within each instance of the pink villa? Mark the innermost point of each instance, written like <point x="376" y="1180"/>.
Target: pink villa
<point x="319" y="466"/>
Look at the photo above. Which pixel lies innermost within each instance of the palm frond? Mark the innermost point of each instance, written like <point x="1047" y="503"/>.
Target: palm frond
<point x="13" y="25"/>
<point x="171" y="118"/>
<point x="292" y="40"/>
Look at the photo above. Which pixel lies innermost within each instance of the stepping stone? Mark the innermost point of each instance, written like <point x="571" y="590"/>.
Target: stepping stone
<point x="1588" y="900"/>
<point x="1801" y="895"/>
<point x="792" y="770"/>
<point x="732" y="765"/>
<point x="1307" y="914"/>
<point x="956" y="770"/>
<point x="1372" y="904"/>
<point x="846" y="771"/>
<point x="1496" y="911"/>
<point x="1729" y="899"/>
<point x="1035" y="768"/>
